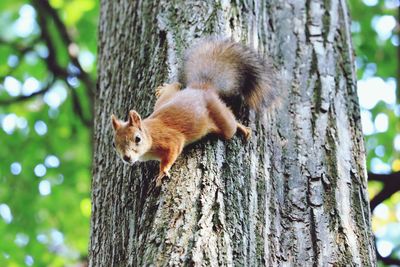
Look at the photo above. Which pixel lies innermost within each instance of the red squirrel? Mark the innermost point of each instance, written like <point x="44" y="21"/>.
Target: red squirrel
<point x="213" y="69"/>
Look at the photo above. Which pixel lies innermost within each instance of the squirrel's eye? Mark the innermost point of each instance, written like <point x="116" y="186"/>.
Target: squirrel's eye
<point x="113" y="144"/>
<point x="137" y="139"/>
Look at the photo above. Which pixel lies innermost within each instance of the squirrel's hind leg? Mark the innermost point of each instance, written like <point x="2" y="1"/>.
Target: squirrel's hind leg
<point x="246" y="131"/>
<point x="224" y="119"/>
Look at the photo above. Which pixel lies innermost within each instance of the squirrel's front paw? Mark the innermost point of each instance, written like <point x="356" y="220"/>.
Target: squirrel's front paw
<point x="167" y="88"/>
<point x="158" y="181"/>
<point x="159" y="90"/>
<point x="160" y="176"/>
<point x="247" y="133"/>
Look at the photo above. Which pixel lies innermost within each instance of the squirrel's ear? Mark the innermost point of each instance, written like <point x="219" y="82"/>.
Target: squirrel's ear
<point x="134" y="119"/>
<point x="115" y="122"/>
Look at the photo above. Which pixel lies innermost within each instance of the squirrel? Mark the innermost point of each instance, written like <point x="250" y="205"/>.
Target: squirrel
<point x="213" y="70"/>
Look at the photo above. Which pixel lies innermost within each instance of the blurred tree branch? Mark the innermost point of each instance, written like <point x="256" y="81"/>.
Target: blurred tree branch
<point x="21" y="98"/>
<point x="391" y="184"/>
<point x="20" y="51"/>
<point x="44" y="7"/>
<point x="45" y="14"/>
<point x="20" y="48"/>
<point x="388" y="260"/>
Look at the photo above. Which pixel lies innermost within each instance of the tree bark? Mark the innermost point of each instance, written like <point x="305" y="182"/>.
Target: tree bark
<point x="295" y="195"/>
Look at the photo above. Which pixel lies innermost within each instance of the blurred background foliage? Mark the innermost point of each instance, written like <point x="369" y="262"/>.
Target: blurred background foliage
<point x="47" y="79"/>
<point x="47" y="76"/>
<point x="375" y="31"/>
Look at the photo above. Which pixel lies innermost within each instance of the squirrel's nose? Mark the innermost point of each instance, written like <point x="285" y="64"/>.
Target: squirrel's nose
<point x="127" y="158"/>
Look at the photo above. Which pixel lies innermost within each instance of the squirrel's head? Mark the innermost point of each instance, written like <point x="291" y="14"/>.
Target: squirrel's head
<point x="130" y="141"/>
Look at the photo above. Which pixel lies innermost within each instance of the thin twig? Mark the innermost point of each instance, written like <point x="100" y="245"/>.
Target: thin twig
<point x="21" y="98"/>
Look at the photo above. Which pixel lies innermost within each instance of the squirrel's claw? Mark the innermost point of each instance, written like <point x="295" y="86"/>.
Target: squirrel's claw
<point x="160" y="176"/>
<point x="246" y="131"/>
<point x="176" y="86"/>
<point x="247" y="134"/>
<point x="159" y="91"/>
<point x="158" y="182"/>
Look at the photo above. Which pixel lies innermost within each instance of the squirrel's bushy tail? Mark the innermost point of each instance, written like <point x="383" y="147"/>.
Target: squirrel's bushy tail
<point x="231" y="69"/>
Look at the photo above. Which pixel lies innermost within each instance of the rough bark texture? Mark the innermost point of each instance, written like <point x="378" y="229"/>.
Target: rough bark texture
<point x="295" y="195"/>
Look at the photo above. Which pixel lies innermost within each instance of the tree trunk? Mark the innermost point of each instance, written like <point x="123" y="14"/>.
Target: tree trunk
<point x="295" y="195"/>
